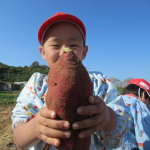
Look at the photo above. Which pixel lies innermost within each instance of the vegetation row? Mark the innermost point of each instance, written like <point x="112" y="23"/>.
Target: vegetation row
<point x="19" y="74"/>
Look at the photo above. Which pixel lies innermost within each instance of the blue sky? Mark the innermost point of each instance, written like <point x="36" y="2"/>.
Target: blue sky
<point x="118" y="33"/>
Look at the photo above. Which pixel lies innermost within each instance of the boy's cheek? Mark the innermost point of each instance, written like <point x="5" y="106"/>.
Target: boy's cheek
<point x="52" y="59"/>
<point x="79" y="55"/>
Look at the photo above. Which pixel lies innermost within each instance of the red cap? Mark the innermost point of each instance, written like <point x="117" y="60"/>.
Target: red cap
<point x="57" y="18"/>
<point x="142" y="83"/>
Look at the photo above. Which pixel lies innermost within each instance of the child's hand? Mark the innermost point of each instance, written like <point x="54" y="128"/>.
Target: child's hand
<point x="48" y="129"/>
<point x="101" y="116"/>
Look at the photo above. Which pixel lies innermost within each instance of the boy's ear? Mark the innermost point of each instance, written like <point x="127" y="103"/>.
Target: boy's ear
<point x="42" y="51"/>
<point x="85" y="50"/>
<point x="143" y="94"/>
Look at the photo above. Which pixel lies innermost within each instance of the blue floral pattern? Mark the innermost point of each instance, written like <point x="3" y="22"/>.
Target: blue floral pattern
<point x="32" y="99"/>
<point x="138" y="137"/>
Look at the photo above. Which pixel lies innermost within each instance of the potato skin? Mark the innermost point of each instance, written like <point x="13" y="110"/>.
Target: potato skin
<point x="69" y="86"/>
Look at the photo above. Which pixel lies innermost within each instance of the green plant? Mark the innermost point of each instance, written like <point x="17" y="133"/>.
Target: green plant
<point x="120" y="89"/>
<point x="21" y="87"/>
<point x="8" y="98"/>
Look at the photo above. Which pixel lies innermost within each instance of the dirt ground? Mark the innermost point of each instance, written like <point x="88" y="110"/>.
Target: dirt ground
<point x="6" y="136"/>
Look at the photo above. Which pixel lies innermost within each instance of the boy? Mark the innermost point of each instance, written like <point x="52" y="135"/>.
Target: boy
<point x="107" y="126"/>
<point x="139" y="88"/>
<point x="136" y="97"/>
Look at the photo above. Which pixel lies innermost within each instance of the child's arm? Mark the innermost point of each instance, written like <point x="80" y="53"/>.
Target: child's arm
<point x="42" y="127"/>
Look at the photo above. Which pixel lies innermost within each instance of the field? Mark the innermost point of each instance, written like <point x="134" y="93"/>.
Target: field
<point x="120" y="89"/>
<point x="7" y="103"/>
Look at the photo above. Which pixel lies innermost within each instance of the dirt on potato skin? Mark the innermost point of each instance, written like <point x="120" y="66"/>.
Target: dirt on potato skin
<point x="6" y="133"/>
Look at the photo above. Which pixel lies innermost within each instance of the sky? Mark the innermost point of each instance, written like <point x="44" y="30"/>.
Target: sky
<point x="118" y="33"/>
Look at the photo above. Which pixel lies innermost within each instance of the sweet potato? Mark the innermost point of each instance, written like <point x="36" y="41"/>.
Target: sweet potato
<point x="69" y="86"/>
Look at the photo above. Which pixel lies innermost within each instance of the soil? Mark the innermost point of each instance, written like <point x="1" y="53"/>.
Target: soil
<point x="6" y="133"/>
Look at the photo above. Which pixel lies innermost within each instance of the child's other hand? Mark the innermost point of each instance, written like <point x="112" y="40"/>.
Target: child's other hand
<point x="100" y="117"/>
<point x="48" y="129"/>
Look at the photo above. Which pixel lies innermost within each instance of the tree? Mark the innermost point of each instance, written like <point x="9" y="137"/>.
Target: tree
<point x="12" y="73"/>
<point x="25" y="67"/>
<point x="35" y="64"/>
<point x="3" y="73"/>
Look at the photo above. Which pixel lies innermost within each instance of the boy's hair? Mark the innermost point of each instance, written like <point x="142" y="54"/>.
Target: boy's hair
<point x="133" y="89"/>
<point x="61" y="17"/>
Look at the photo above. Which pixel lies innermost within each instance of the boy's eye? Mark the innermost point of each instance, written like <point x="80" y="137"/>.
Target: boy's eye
<point x="55" y="45"/>
<point x="73" y="45"/>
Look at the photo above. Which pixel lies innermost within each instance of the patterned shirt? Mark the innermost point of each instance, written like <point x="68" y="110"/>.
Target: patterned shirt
<point x="32" y="99"/>
<point x="138" y="137"/>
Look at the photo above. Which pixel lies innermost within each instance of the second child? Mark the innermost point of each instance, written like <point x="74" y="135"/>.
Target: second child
<point x="136" y="96"/>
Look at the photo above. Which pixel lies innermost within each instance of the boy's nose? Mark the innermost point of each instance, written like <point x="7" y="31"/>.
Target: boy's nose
<point x="62" y="50"/>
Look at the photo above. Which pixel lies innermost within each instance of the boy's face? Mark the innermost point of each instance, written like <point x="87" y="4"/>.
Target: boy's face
<point x="59" y="36"/>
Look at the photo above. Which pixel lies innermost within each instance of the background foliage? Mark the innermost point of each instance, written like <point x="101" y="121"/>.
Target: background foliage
<point x="19" y="74"/>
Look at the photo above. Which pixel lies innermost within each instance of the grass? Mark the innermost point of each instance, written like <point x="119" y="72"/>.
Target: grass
<point x="8" y="98"/>
<point x="120" y="89"/>
<point x="9" y="92"/>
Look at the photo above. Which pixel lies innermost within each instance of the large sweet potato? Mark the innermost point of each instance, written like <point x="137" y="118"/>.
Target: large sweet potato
<point x="69" y="86"/>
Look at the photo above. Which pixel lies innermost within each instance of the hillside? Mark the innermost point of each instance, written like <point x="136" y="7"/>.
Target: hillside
<point x="19" y="74"/>
<point x="119" y="83"/>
